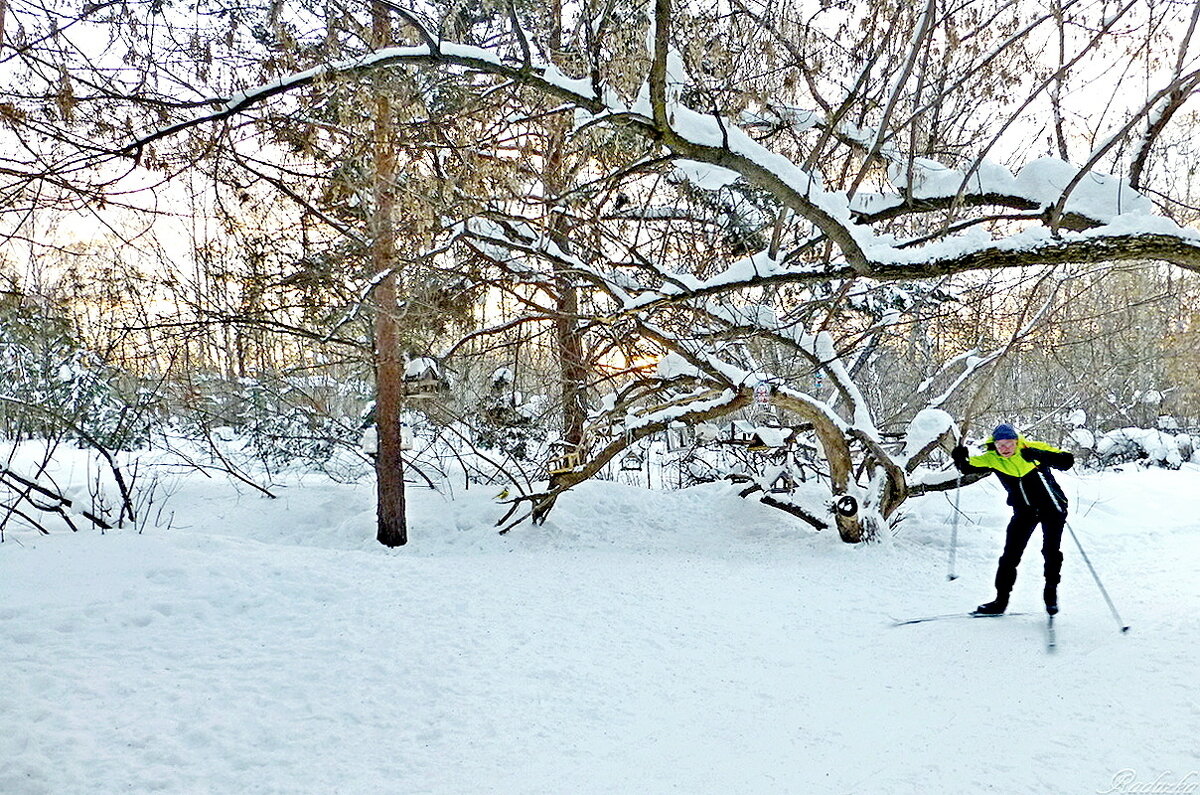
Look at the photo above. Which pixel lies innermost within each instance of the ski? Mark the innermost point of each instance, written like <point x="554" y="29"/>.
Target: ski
<point x="1051" y="638"/>
<point x="945" y="616"/>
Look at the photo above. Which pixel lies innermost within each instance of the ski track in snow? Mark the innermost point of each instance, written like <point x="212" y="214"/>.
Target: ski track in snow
<point x="638" y="642"/>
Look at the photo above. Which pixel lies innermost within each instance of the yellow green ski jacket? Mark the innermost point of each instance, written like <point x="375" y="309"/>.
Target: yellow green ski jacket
<point x="1025" y="474"/>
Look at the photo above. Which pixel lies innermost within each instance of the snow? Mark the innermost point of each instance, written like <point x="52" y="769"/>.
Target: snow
<point x="1097" y="195"/>
<point x="931" y="179"/>
<point x="581" y="85"/>
<point x="705" y="175"/>
<point x="927" y="426"/>
<point x="672" y="365"/>
<point x="421" y="367"/>
<point x="744" y="269"/>
<point x="770" y="436"/>
<point x="1082" y="438"/>
<point x="639" y="641"/>
<point x="673" y="412"/>
<point x="1162" y="449"/>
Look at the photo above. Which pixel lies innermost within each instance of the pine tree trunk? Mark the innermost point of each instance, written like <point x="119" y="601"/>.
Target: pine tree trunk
<point x="389" y="461"/>
<point x="389" y="367"/>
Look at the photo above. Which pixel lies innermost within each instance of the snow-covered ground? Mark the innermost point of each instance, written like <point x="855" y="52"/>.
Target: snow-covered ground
<point x="638" y="642"/>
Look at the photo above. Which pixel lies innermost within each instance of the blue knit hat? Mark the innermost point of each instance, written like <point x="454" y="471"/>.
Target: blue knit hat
<point x="1004" y="431"/>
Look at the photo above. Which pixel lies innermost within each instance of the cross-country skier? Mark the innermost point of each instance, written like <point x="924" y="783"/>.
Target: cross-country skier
<point x="1023" y="466"/>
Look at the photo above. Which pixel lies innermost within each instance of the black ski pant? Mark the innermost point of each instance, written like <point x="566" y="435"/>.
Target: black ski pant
<point x="1020" y="528"/>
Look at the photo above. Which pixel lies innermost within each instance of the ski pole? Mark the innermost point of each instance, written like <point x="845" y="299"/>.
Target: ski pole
<point x="1124" y="627"/>
<point x="961" y="433"/>
<point x="954" y="529"/>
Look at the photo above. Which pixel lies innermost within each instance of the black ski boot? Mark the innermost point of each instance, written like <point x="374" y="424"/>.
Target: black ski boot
<point x="1051" y="597"/>
<point x="993" y="608"/>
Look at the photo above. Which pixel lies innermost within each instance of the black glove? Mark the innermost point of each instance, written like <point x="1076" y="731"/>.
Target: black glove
<point x="960" y="455"/>
<point x="1031" y="454"/>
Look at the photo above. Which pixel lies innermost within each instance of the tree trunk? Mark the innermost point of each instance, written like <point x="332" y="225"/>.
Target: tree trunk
<point x="568" y="340"/>
<point x="389" y="461"/>
<point x="571" y="366"/>
<point x="389" y="367"/>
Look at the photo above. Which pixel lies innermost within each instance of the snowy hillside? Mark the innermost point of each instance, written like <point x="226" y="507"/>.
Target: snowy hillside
<point x="638" y="642"/>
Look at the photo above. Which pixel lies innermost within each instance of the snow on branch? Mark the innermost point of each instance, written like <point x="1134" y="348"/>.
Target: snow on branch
<point x="1109" y="219"/>
<point x="547" y="77"/>
<point x="971" y="361"/>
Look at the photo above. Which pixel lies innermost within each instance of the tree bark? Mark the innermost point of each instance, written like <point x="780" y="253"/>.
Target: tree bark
<point x="568" y="340"/>
<point x="392" y="530"/>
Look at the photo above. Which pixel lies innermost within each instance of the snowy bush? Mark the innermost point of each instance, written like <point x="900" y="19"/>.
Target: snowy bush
<point x="279" y="419"/>
<point x="54" y="388"/>
<point x="1150" y="447"/>
<point x="507" y="420"/>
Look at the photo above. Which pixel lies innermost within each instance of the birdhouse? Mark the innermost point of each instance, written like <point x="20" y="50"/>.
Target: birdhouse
<point x="783" y="484"/>
<point x="423" y="379"/>
<point x="632" y="461"/>
<point x="768" y="437"/>
<point x="757" y="438"/>
<point x="741" y="432"/>
<point x="569" y="459"/>
<point x="677" y="435"/>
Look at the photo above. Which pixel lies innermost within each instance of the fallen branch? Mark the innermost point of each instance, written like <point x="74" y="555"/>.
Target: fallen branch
<point x="63" y="503"/>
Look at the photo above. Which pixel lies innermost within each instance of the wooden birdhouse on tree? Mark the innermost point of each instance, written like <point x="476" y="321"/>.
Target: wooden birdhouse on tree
<point x="566" y="458"/>
<point x="678" y="435"/>
<point x="741" y="432"/>
<point x="757" y="438"/>
<point x="783" y="483"/>
<point x="632" y="461"/>
<point x="770" y="437"/>
<point x="423" y="379"/>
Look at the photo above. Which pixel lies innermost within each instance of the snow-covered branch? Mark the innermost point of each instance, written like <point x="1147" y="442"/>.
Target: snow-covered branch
<point x="1117" y="223"/>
